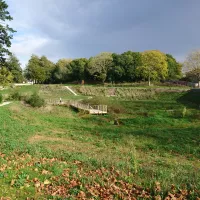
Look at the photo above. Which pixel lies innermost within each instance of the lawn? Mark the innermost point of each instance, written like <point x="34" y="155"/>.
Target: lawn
<point x="57" y="153"/>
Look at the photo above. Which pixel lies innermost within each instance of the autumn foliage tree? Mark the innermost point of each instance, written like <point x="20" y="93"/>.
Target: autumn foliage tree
<point x="192" y="66"/>
<point x="154" y="66"/>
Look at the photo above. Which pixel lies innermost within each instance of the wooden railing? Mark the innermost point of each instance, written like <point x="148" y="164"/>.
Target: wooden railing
<point x="93" y="109"/>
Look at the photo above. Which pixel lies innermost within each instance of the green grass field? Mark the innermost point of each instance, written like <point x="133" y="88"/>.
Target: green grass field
<point x="56" y="153"/>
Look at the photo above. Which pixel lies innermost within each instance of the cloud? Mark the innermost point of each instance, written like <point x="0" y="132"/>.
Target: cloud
<point x="26" y="45"/>
<point x="83" y="28"/>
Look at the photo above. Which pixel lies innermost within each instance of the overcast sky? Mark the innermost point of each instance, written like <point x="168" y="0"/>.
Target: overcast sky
<point x="84" y="28"/>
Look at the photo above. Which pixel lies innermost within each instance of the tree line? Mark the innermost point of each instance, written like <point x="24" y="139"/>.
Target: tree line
<point x="111" y="67"/>
<point x="105" y="67"/>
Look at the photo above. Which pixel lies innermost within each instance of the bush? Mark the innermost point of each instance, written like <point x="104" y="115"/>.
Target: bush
<point x="35" y="100"/>
<point x="1" y="98"/>
<point x="15" y="96"/>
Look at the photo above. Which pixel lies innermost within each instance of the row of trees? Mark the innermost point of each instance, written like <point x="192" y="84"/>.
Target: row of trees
<point x="128" y="66"/>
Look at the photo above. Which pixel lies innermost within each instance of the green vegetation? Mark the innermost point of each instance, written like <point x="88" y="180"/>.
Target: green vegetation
<point x="5" y="32"/>
<point x="1" y="98"/>
<point x="56" y="153"/>
<point x="192" y="66"/>
<point x="129" y="66"/>
<point x="35" y="100"/>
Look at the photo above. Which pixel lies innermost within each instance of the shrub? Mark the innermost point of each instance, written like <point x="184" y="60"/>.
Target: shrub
<point x="15" y="96"/>
<point x="35" y="100"/>
<point x="1" y="98"/>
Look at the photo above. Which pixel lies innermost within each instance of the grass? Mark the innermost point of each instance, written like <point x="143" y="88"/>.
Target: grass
<point x="57" y="153"/>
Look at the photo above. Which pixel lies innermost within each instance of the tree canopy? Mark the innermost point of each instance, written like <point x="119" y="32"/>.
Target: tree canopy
<point x="192" y="66"/>
<point x="6" y="76"/>
<point x="126" y="67"/>
<point x="98" y="66"/>
<point x="174" y="68"/>
<point x="13" y="65"/>
<point x="154" y="66"/>
<point x="6" y="32"/>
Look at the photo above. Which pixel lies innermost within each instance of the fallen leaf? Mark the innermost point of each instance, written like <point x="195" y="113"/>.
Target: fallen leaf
<point x="47" y="182"/>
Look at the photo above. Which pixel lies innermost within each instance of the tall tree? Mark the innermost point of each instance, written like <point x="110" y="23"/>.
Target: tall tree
<point x="192" y="66"/>
<point x="79" y="68"/>
<point x="98" y="66"/>
<point x="39" y="70"/>
<point x="6" y="76"/>
<point x="34" y="71"/>
<point x="48" y="67"/>
<point x="5" y="32"/>
<point x="127" y="63"/>
<point x="14" y="66"/>
<point x="174" y="68"/>
<point x="63" y="71"/>
<point x="154" y="66"/>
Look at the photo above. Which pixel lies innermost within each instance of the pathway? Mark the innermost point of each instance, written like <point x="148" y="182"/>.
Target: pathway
<point x="5" y="103"/>
<point x="71" y="90"/>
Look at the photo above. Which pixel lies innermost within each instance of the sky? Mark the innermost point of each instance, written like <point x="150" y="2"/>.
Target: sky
<point x="84" y="28"/>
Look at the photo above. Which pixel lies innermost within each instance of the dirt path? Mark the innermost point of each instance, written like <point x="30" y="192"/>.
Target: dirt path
<point x="71" y="90"/>
<point x="5" y="103"/>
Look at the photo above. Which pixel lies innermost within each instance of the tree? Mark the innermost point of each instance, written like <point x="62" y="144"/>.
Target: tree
<point x="127" y="63"/>
<point x="174" y="68"/>
<point x="39" y="70"/>
<point x="79" y="68"/>
<point x="154" y="66"/>
<point x="98" y="66"/>
<point x="192" y="66"/>
<point x="48" y="67"/>
<point x="5" y="32"/>
<point x="62" y="72"/>
<point x="115" y="73"/>
<point x="14" y="66"/>
<point x="34" y="71"/>
<point x="5" y="76"/>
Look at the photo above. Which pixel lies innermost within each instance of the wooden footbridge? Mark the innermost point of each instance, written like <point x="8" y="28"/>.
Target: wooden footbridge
<point x="91" y="109"/>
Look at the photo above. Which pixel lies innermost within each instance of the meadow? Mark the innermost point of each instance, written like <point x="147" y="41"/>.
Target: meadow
<point x="55" y="152"/>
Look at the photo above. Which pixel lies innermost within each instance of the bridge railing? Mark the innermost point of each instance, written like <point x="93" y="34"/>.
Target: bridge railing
<point x="77" y="104"/>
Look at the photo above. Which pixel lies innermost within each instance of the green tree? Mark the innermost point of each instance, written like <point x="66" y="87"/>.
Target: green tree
<point x="14" y="66"/>
<point x="6" y="76"/>
<point x="63" y="71"/>
<point x="115" y="73"/>
<point x="5" y="32"/>
<point x="127" y="64"/>
<point x="98" y="66"/>
<point x="174" y="68"/>
<point x="39" y="70"/>
<point x="79" y="68"/>
<point x="154" y="66"/>
<point x="48" y="67"/>
<point x="34" y="71"/>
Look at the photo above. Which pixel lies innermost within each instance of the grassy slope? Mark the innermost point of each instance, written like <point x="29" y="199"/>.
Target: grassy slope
<point x="152" y="143"/>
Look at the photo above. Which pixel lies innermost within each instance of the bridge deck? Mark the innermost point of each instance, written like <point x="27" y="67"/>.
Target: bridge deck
<point x="94" y="110"/>
<point x="91" y="109"/>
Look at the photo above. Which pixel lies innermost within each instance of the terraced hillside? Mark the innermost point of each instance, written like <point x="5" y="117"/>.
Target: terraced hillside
<point x="145" y="148"/>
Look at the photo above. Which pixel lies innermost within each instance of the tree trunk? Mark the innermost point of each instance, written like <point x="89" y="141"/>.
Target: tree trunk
<point x="149" y="80"/>
<point x="199" y="84"/>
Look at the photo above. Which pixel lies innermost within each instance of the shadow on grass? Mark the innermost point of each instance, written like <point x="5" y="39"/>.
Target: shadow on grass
<point x="191" y="98"/>
<point x="184" y="141"/>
